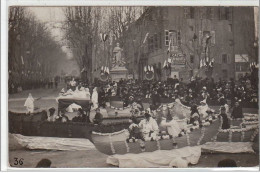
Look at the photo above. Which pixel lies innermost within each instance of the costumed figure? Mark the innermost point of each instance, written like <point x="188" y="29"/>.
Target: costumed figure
<point x="149" y="127"/>
<point x="194" y="115"/>
<point x="203" y="109"/>
<point x="29" y="104"/>
<point x="172" y="126"/>
<point x="94" y="98"/>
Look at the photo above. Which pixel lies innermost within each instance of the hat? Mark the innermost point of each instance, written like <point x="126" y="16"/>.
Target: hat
<point x="204" y="88"/>
<point x="222" y="108"/>
<point x="147" y="115"/>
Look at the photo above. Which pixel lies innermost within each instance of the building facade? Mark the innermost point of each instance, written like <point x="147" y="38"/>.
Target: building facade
<point x="189" y="37"/>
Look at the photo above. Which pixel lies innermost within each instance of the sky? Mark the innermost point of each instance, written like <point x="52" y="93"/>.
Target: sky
<point x="52" y="16"/>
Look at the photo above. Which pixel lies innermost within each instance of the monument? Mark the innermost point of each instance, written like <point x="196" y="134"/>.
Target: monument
<point x="118" y="70"/>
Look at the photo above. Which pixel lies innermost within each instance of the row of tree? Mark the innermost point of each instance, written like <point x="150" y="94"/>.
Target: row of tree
<point x="32" y="51"/>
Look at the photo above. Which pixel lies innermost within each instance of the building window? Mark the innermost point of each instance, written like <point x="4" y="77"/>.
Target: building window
<point x="224" y="58"/>
<point x="225" y="74"/>
<point x="230" y="27"/>
<point x="206" y="37"/>
<point x="191" y="58"/>
<point x="151" y="44"/>
<point x="179" y="37"/>
<point x="166" y="38"/>
<point x="225" y="13"/>
<point x="189" y="12"/>
<point x="155" y="41"/>
<point x="192" y="12"/>
<point x="203" y="12"/>
<point x="160" y="40"/>
<point x="173" y="37"/>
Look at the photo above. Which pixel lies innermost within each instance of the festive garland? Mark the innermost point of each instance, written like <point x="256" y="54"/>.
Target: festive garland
<point x="254" y="135"/>
<point x="250" y="115"/>
<point x="249" y="122"/>
<point x="111" y="145"/>
<point x="250" y="118"/>
<point x="110" y="134"/>
<point x="202" y="135"/>
<point x="238" y="130"/>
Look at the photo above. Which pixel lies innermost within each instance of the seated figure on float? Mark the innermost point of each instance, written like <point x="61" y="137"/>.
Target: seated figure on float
<point x="203" y="109"/>
<point x="194" y="115"/>
<point x="149" y="127"/>
<point x="166" y="120"/>
<point x="134" y="130"/>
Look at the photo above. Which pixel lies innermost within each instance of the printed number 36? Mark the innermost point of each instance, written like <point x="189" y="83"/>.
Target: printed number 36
<point x="18" y="161"/>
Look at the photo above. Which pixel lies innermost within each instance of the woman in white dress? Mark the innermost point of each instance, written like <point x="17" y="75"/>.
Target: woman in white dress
<point x="29" y="104"/>
<point x="94" y="98"/>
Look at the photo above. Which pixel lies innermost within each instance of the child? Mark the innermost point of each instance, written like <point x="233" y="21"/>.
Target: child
<point x="134" y="129"/>
<point x="223" y="114"/>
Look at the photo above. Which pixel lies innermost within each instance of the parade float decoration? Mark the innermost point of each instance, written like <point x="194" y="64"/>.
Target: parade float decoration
<point x="210" y="130"/>
<point x="149" y="72"/>
<point x="104" y="73"/>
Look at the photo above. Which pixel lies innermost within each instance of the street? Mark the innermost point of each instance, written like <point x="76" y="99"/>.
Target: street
<point x="95" y="159"/>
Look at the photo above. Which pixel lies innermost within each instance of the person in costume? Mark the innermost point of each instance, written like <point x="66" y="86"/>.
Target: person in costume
<point x="29" y="104"/>
<point x="171" y="125"/>
<point x="94" y="98"/>
<point x="149" y="126"/>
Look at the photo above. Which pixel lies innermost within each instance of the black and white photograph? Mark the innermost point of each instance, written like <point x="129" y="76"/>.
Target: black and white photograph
<point x="133" y="86"/>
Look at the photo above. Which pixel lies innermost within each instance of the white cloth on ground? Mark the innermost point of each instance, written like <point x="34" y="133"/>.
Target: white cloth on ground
<point x="161" y="158"/>
<point x="52" y="143"/>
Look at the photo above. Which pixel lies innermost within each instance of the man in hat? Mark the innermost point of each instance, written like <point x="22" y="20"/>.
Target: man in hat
<point x="149" y="126"/>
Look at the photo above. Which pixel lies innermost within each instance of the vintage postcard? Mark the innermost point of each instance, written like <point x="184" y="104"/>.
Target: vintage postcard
<point x="133" y="86"/>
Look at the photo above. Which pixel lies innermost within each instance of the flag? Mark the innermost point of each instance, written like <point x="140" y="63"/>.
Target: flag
<point x="201" y="63"/>
<point x="164" y="64"/>
<point x="83" y="70"/>
<point x="22" y="60"/>
<point x="145" y="38"/>
<point x="145" y="68"/>
<point x="204" y="63"/>
<point x="103" y="37"/>
<point x="149" y="68"/>
<point x="152" y="69"/>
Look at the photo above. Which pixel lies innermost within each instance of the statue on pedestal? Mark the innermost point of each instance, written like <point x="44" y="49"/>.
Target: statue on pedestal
<point x="117" y="60"/>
